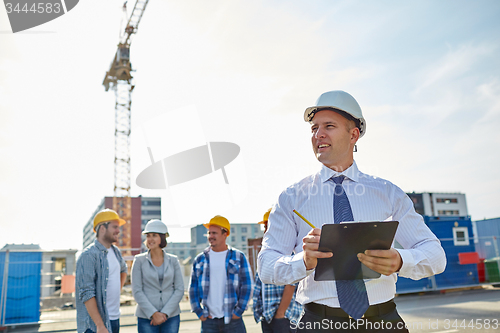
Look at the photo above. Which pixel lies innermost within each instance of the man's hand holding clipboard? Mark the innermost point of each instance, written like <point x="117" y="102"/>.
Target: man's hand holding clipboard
<point x="311" y="244"/>
<point x="310" y="247"/>
<point x="345" y="239"/>
<point x="384" y="262"/>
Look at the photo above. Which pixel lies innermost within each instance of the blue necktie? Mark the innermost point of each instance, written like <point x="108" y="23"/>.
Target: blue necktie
<point x="352" y="293"/>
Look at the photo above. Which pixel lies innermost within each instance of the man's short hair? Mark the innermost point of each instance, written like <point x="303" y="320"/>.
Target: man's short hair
<point x="105" y="224"/>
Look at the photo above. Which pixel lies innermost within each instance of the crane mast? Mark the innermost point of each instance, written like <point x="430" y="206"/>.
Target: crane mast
<point x="119" y="79"/>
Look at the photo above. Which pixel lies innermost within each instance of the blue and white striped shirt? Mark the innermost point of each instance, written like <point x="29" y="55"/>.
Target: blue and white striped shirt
<point x="371" y="199"/>
<point x="92" y="270"/>
<point x="238" y="284"/>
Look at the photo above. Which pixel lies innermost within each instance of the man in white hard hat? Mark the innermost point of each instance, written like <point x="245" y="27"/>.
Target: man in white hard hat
<point x="221" y="282"/>
<point x="339" y="192"/>
<point x="100" y="275"/>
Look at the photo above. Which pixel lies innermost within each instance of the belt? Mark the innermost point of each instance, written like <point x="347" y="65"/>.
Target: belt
<point x="373" y="311"/>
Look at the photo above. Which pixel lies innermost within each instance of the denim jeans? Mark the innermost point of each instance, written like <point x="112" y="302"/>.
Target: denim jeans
<point x="170" y="326"/>
<point x="216" y="325"/>
<point x="115" y="327"/>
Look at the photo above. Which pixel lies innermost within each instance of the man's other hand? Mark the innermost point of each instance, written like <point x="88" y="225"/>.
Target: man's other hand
<point x="384" y="262"/>
<point x="101" y="329"/>
<point x="310" y="246"/>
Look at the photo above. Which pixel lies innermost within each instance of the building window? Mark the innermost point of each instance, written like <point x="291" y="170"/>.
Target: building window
<point x="232" y="230"/>
<point x="255" y="230"/>
<point x="460" y="236"/>
<point x="244" y="229"/>
<point x="446" y="200"/>
<point x="59" y="264"/>
<point x="151" y="212"/>
<point x="181" y="252"/>
<point x="151" y="203"/>
<point x="243" y="238"/>
<point x="418" y="202"/>
<point x="233" y="239"/>
<point x="448" y="212"/>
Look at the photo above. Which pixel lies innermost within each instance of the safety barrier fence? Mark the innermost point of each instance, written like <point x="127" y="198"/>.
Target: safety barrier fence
<point x="38" y="286"/>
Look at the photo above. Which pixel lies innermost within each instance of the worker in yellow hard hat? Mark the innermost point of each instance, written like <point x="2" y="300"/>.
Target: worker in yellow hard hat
<point x="217" y="239"/>
<point x="105" y="216"/>
<point x="279" y="308"/>
<point x="265" y="220"/>
<point x="100" y="275"/>
<point x="220" y="298"/>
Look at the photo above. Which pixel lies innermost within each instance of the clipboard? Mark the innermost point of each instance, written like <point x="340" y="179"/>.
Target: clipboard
<point x="346" y="240"/>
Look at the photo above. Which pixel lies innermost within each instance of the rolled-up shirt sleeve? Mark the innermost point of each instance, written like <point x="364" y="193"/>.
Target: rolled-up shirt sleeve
<point x="85" y="276"/>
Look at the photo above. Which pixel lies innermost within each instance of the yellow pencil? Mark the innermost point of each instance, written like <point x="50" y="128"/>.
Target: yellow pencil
<point x="302" y="217"/>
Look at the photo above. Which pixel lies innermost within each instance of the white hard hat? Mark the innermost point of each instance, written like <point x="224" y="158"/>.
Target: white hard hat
<point x="156" y="226"/>
<point x="340" y="100"/>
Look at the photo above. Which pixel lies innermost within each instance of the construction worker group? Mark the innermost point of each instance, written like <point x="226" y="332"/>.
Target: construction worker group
<point x="158" y="287"/>
<point x="284" y="293"/>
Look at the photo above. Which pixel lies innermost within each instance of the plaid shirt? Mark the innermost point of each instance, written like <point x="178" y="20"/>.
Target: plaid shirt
<point x="92" y="271"/>
<point x="266" y="309"/>
<point x="238" y="284"/>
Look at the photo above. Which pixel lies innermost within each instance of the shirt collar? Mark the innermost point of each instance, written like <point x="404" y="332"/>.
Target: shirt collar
<point x="100" y="246"/>
<point x="351" y="172"/>
<point x="229" y="249"/>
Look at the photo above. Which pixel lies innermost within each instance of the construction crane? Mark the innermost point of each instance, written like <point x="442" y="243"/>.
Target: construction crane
<point x="119" y="79"/>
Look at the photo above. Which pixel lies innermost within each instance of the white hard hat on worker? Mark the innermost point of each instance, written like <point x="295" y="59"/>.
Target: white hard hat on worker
<point x="156" y="226"/>
<point x="156" y="234"/>
<point x="338" y="100"/>
<point x="336" y="123"/>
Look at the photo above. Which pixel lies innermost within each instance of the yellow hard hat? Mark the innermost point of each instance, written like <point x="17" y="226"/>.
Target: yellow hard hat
<point x="107" y="215"/>
<point x="266" y="217"/>
<point x="221" y="222"/>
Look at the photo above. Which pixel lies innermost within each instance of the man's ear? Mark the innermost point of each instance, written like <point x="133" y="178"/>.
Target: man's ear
<point x="355" y="134"/>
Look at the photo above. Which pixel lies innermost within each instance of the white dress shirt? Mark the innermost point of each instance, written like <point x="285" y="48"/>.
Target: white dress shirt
<point x="371" y="199"/>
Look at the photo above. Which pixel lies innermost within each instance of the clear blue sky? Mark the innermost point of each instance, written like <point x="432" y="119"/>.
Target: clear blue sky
<point x="426" y="74"/>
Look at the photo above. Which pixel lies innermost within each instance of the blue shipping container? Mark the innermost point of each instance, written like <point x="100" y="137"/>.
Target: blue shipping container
<point x="23" y="287"/>
<point x="488" y="238"/>
<point x="455" y="275"/>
